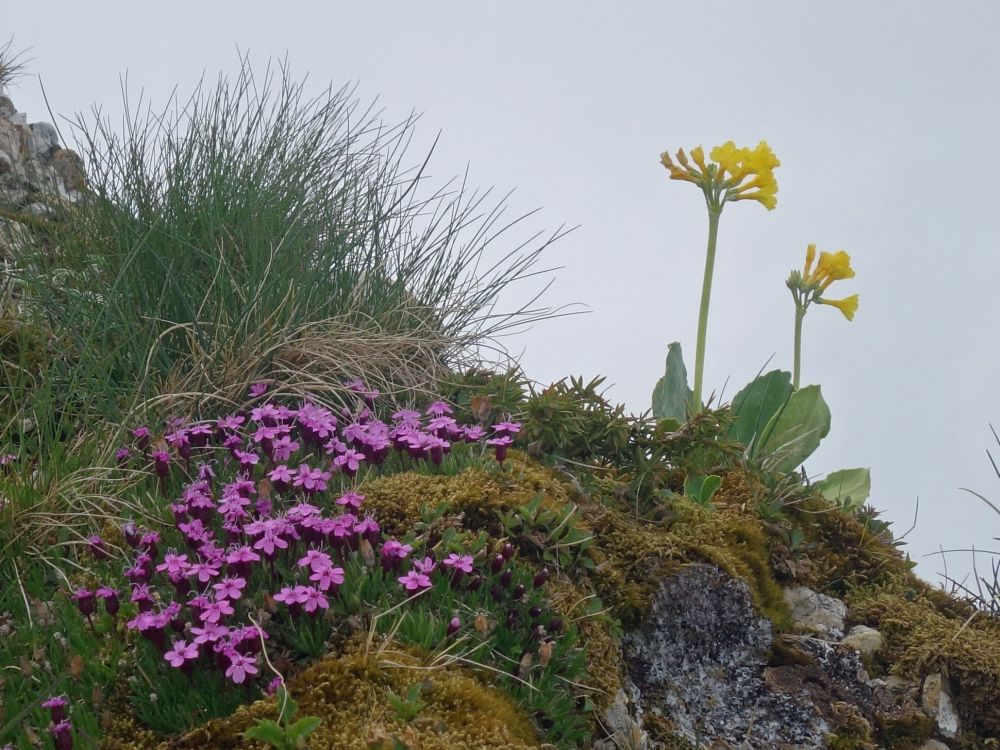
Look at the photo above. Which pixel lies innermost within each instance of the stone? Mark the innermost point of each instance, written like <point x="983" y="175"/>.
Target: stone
<point x="624" y="731"/>
<point x="934" y="745"/>
<point x="44" y="139"/>
<point x="938" y="704"/>
<point x="699" y="660"/>
<point x="7" y="108"/>
<point x="6" y="164"/>
<point x="819" y="612"/>
<point x="863" y="639"/>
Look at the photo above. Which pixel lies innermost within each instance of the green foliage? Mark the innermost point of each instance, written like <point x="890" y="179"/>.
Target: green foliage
<point x="284" y="734"/>
<point x="795" y="430"/>
<point x="551" y="532"/>
<point x="701" y="489"/>
<point x="756" y="404"/>
<point x="848" y="488"/>
<point x="409" y="707"/>
<point x="672" y="398"/>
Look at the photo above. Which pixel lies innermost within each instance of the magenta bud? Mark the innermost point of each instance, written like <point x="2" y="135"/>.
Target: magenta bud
<point x="535" y="612"/>
<point x="454" y="626"/>
<point x="131" y="533"/>
<point x="475" y="582"/>
<point x="507" y="551"/>
<point x="497" y="563"/>
<point x="496" y="593"/>
<point x="541" y="577"/>
<point x="505" y="578"/>
<point x="555" y="625"/>
<point x="519" y="591"/>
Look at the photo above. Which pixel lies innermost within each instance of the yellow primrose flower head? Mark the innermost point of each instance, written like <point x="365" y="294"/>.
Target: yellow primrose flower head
<point x="848" y="305"/>
<point x="832" y="267"/>
<point x="733" y="174"/>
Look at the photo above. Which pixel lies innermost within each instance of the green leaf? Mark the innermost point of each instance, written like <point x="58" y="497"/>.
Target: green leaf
<point x="754" y="406"/>
<point x="702" y="489"/>
<point x="305" y="725"/>
<point x="849" y="488"/>
<point x="268" y="731"/>
<point x="286" y="706"/>
<point x="795" y="430"/>
<point x="671" y="396"/>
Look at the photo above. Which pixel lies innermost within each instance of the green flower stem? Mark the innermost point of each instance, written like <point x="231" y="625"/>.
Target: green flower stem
<point x="706" y="296"/>
<point x="800" y="313"/>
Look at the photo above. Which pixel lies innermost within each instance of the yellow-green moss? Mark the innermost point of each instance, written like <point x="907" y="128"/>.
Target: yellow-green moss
<point x="349" y="693"/>
<point x="397" y="500"/>
<point x="635" y="555"/>
<point x="907" y="731"/>
<point x="924" y="634"/>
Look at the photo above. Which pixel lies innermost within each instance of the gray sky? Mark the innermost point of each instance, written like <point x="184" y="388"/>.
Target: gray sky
<point x="879" y="112"/>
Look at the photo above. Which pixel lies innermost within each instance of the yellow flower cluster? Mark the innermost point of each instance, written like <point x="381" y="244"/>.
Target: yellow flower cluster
<point x="736" y="174"/>
<point x="831" y="267"/>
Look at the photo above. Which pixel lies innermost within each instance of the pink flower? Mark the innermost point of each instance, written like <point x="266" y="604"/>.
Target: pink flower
<point x="501" y="444"/>
<point x="182" y="652"/>
<point x="439" y="409"/>
<point x="281" y="477"/>
<point x="230" y="588"/>
<point x="328" y="578"/>
<point x="414" y="581"/>
<point x="283" y="448"/>
<point x="349" y="462"/>
<point x="351" y="499"/>
<point x="240" y="667"/>
<point x="313" y="599"/>
<point x="316" y="560"/>
<point x="209" y="632"/>
<point x="311" y="480"/>
<point x="246" y="458"/>
<point x="205" y="571"/>
<point x="216" y="610"/>
<point x="461" y="563"/>
<point x="507" y="428"/>
<point x="425" y="566"/>
<point x="257" y="390"/>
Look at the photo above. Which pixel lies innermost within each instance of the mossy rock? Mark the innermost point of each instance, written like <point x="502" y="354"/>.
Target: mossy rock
<point x="349" y="693"/>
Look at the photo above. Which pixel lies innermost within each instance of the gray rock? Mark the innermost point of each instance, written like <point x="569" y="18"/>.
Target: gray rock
<point x="7" y="108"/>
<point x="624" y="731"/>
<point x="863" y="639"/>
<point x="44" y="139"/>
<point x="819" y="612"/>
<point x="934" y="745"/>
<point x="6" y="164"/>
<point x="700" y="659"/>
<point x="937" y="702"/>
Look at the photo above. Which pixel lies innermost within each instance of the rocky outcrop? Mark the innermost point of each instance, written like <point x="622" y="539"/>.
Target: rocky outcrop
<point x="708" y="667"/>
<point x="38" y="176"/>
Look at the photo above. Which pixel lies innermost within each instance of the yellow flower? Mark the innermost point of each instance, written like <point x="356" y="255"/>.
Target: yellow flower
<point x="832" y="267"/>
<point x="761" y="160"/>
<point x="699" y="158"/>
<point x="810" y="256"/>
<point x="739" y="163"/>
<point x="848" y="305"/>
<point x="728" y="157"/>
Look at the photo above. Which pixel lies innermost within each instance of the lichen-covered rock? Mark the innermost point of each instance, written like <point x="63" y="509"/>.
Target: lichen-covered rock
<point x="699" y="659"/>
<point x="863" y="639"/>
<point x="818" y="612"/>
<point x="939" y="705"/>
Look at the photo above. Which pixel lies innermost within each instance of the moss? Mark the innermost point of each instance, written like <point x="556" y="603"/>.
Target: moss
<point x="908" y="731"/>
<point x="398" y="500"/>
<point x="349" y="693"/>
<point x="637" y="555"/>
<point x="852" y="731"/>
<point x="925" y="632"/>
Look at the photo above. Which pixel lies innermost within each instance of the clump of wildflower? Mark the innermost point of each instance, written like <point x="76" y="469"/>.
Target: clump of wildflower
<point x="56" y="706"/>
<point x="810" y="284"/>
<point x="734" y="174"/>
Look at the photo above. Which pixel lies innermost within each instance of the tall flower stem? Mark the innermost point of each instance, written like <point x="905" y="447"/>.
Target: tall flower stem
<point x="800" y="313"/>
<point x="706" y="295"/>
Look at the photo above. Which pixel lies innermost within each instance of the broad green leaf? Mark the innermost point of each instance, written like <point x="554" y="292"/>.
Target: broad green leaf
<point x="303" y="726"/>
<point x="702" y="489"/>
<point x="849" y="488"/>
<point x="671" y="396"/>
<point x="795" y="430"/>
<point x="754" y="406"/>
<point x="268" y="731"/>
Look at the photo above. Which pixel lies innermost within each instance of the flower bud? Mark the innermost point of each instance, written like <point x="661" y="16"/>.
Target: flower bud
<point x="519" y="591"/>
<point x="507" y="551"/>
<point x="545" y="653"/>
<point x="541" y="577"/>
<point x="506" y="578"/>
<point x="555" y="625"/>
<point x="454" y="626"/>
<point x="497" y="564"/>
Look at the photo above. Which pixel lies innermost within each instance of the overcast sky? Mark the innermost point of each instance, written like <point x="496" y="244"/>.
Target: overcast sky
<point x="884" y="116"/>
